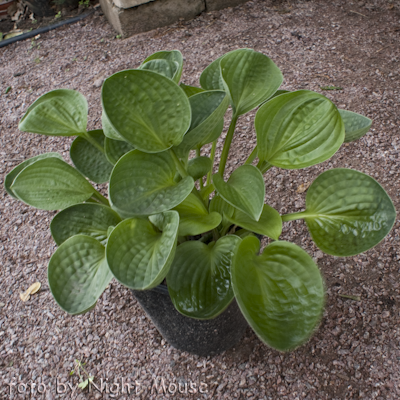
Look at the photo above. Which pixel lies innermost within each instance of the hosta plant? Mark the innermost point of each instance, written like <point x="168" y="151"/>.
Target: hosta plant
<point x="171" y="215"/>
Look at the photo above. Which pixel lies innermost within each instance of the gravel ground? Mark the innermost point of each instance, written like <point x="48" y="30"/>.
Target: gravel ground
<point x="355" y="351"/>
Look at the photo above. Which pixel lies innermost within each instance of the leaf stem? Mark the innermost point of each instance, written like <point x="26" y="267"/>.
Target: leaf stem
<point x="212" y="158"/>
<point x="252" y="156"/>
<point x="198" y="154"/>
<point x="93" y="142"/>
<point x="293" y="216"/>
<point x="179" y="166"/>
<point x="98" y="196"/>
<point x="265" y="166"/>
<point x="227" y="145"/>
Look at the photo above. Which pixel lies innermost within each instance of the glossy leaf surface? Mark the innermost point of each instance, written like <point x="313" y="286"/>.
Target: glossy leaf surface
<point x="78" y="274"/>
<point x="298" y="129"/>
<point x="89" y="160"/>
<point x="355" y="125"/>
<point x="250" y="78"/>
<point x="208" y="109"/>
<point x="61" y="112"/>
<point x="143" y="184"/>
<point x="269" y="224"/>
<point x="14" y="172"/>
<point x="139" y="255"/>
<point x="88" y="219"/>
<point x="280" y="292"/>
<point x="199" y="280"/>
<point x="245" y="190"/>
<point x="347" y="212"/>
<point x="51" y="184"/>
<point x="147" y="109"/>
<point x="194" y="218"/>
<point x="115" y="149"/>
<point x="174" y="56"/>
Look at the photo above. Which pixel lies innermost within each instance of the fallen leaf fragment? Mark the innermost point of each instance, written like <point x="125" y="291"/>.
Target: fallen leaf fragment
<point x="303" y="187"/>
<point x="34" y="288"/>
<point x="25" y="296"/>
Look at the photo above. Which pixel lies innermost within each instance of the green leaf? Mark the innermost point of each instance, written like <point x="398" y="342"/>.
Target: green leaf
<point x="347" y="212"/>
<point x="83" y="384"/>
<point x="298" y="129"/>
<point x="143" y="184"/>
<point x="198" y="167"/>
<point x="61" y="112"/>
<point x="115" y="149"/>
<point x="219" y="205"/>
<point x="211" y="78"/>
<point x="269" y="224"/>
<point x="89" y="219"/>
<point x="147" y="109"/>
<point x="14" y="172"/>
<point x="208" y="110"/>
<point x="194" y="218"/>
<point x="139" y="255"/>
<point x="51" y="184"/>
<point x="250" y="78"/>
<point x="78" y="274"/>
<point x="190" y="90"/>
<point x="108" y="129"/>
<point x="199" y="281"/>
<point x="174" y="56"/>
<point x="280" y="292"/>
<point x="89" y="160"/>
<point x="163" y="67"/>
<point x="245" y="190"/>
<point x="355" y="125"/>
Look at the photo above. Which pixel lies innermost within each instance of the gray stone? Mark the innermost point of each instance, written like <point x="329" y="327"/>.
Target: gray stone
<point x="148" y="16"/>
<point x="213" y="5"/>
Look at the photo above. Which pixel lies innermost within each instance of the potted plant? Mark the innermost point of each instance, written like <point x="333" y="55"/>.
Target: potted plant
<point x="169" y="218"/>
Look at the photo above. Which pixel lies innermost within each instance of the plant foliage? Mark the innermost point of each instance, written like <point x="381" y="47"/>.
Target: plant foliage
<point x="172" y="216"/>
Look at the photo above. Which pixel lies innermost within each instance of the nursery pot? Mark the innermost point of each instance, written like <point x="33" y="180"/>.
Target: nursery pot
<point x="201" y="337"/>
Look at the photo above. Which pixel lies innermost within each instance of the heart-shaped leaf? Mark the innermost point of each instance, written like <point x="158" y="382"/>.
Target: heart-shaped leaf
<point x="269" y="224"/>
<point x="190" y="90"/>
<point x="250" y="78"/>
<point x="245" y="190"/>
<point x="61" y="112"/>
<point x="199" y="280"/>
<point x="89" y="160"/>
<point x="198" y="167"/>
<point x="194" y="218"/>
<point x="115" y="149"/>
<point x="147" y="109"/>
<point x="143" y="184"/>
<point x="298" y="129"/>
<point x="78" y="274"/>
<point x="355" y="125"/>
<point x="87" y="219"/>
<point x="208" y="110"/>
<point x="108" y="129"/>
<point x="347" y="212"/>
<point x="51" y="184"/>
<point x="163" y="67"/>
<point x="14" y="172"/>
<point x="174" y="56"/>
<point x="139" y="255"/>
<point x="280" y="292"/>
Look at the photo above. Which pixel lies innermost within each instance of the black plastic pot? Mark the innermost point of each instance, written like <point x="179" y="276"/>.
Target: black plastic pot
<point x="201" y="337"/>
